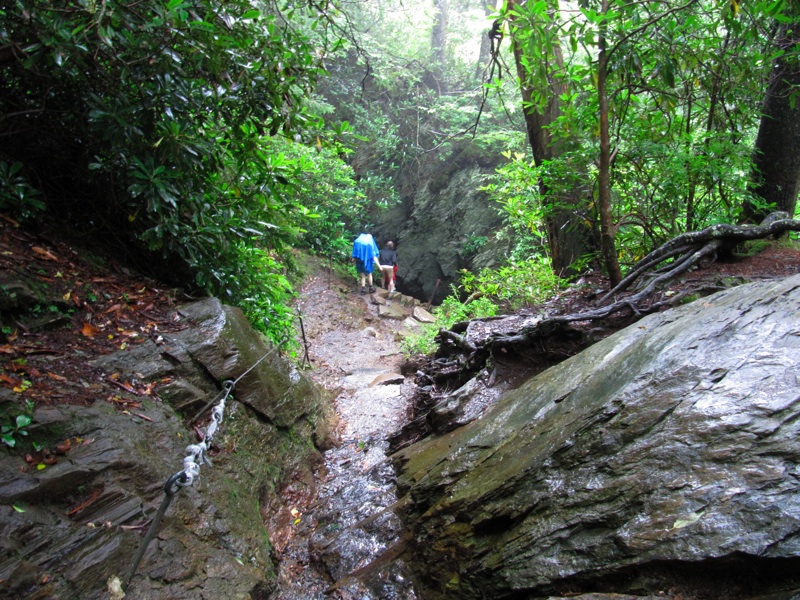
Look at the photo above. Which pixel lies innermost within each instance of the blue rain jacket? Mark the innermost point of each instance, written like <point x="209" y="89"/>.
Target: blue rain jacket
<point x="365" y="249"/>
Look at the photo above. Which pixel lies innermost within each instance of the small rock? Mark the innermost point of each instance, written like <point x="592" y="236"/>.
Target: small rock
<point x="392" y="312"/>
<point x="387" y="379"/>
<point x="423" y="316"/>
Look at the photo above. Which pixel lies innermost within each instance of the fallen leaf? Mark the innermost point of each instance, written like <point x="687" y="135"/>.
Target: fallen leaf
<point x="43" y="254"/>
<point x="56" y="377"/>
<point x="92" y="497"/>
<point x="8" y="379"/>
<point x="22" y="387"/>
<point x="89" y="330"/>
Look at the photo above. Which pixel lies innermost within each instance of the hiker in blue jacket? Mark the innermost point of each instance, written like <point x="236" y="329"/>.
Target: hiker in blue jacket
<point x="365" y="255"/>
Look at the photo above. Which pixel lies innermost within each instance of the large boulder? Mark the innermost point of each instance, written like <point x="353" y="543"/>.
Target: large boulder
<point x="71" y="527"/>
<point x="662" y="460"/>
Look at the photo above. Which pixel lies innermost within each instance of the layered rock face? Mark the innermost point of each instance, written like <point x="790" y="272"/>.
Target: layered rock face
<point x="443" y="224"/>
<point x="70" y="528"/>
<point x="665" y="457"/>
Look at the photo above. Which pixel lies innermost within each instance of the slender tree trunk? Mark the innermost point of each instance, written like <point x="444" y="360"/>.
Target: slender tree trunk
<point x="439" y="42"/>
<point x="567" y="235"/>
<point x="608" y="246"/>
<point x="485" y="52"/>
<point x="776" y="171"/>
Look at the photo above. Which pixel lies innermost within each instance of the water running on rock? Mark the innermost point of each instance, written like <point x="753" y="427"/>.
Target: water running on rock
<point x="344" y="544"/>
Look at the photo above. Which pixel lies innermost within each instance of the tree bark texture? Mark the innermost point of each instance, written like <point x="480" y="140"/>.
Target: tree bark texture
<point x="776" y="171"/>
<point x="607" y="230"/>
<point x="439" y="42"/>
<point x="567" y="235"/>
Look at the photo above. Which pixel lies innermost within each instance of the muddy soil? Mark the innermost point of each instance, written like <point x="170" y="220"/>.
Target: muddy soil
<point x="342" y="543"/>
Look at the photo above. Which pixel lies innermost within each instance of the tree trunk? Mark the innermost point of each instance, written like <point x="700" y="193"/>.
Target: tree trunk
<point x="567" y="235"/>
<point x="485" y="52"/>
<point x="439" y="42"/>
<point x="608" y="246"/>
<point x="776" y="170"/>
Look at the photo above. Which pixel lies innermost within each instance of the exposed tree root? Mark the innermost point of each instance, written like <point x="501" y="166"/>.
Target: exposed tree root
<point x="468" y="347"/>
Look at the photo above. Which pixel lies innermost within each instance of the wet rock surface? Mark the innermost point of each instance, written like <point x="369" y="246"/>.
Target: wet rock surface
<point x="72" y="525"/>
<point x="662" y="461"/>
<point x="346" y="544"/>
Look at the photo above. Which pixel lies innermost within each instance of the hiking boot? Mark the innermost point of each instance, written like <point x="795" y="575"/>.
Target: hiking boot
<point x="363" y="290"/>
<point x="372" y="289"/>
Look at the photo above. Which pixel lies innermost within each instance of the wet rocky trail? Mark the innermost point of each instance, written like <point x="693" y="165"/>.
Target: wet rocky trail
<point x="343" y="535"/>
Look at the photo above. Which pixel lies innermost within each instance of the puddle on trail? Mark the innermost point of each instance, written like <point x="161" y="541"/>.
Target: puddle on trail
<point x="346" y="544"/>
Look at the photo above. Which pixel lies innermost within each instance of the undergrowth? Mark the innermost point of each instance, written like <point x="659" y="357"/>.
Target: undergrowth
<point x="508" y="288"/>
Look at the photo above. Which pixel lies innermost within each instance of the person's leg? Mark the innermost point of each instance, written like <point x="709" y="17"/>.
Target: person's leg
<point x="386" y="277"/>
<point x="386" y="280"/>
<point x="362" y="274"/>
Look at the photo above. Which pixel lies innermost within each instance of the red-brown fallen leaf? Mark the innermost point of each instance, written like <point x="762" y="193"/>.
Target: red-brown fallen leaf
<point x="8" y="379"/>
<point x="115" y="307"/>
<point x="15" y="224"/>
<point x="41" y="456"/>
<point x="25" y="349"/>
<point x="124" y="385"/>
<point x="67" y="445"/>
<point x="56" y="377"/>
<point x="89" y="330"/>
<point x="125" y="402"/>
<point x="92" y="497"/>
<point x="141" y="416"/>
<point x="43" y="254"/>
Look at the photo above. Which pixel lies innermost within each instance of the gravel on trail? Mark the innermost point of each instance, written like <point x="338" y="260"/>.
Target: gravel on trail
<point x="344" y="543"/>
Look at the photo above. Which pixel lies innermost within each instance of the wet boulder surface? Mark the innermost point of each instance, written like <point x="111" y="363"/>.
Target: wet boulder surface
<point x="662" y="461"/>
<point x="70" y="528"/>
